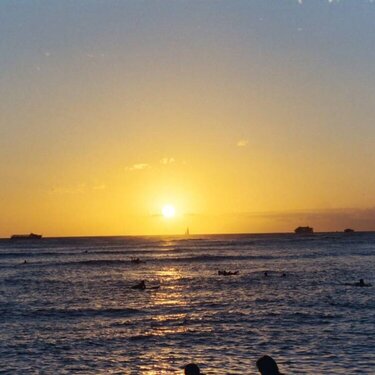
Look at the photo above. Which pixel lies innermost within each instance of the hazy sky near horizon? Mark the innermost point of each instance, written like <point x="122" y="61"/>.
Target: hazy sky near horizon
<point x="246" y="115"/>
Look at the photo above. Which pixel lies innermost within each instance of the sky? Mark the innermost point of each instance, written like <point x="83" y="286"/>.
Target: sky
<point x="248" y="116"/>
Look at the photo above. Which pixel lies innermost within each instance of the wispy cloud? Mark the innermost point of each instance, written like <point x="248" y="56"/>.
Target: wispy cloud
<point x="242" y="143"/>
<point x="70" y="190"/>
<point x="166" y="161"/>
<point x="80" y="188"/>
<point x="99" y="187"/>
<point x="329" y="1"/>
<point x="138" y="167"/>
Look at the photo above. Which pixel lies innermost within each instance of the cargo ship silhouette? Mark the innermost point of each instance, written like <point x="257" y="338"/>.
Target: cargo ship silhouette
<point x="31" y="236"/>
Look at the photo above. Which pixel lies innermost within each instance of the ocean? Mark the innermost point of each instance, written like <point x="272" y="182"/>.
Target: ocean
<point x="70" y="308"/>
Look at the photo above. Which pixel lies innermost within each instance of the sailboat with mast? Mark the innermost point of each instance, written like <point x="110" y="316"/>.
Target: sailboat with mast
<point x="187" y="231"/>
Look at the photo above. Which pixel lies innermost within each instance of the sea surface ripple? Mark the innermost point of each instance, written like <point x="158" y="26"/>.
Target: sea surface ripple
<point x="70" y="308"/>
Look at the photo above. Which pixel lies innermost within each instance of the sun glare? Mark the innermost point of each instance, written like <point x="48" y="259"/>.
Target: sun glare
<point x="168" y="211"/>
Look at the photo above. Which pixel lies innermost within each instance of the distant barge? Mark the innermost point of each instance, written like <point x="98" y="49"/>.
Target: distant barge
<point x="31" y="236"/>
<point x="304" y="230"/>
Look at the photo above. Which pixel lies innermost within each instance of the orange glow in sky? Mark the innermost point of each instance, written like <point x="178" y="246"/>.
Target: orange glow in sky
<point x="246" y="116"/>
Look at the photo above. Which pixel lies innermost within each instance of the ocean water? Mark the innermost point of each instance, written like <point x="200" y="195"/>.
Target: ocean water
<point x="71" y="310"/>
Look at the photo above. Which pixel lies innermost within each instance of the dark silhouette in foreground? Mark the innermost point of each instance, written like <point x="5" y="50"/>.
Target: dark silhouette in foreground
<point x="192" y="369"/>
<point x="267" y="366"/>
<point x="227" y="273"/>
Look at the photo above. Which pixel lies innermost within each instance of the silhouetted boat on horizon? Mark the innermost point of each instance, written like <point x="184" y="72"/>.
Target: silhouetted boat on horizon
<point x="187" y="232"/>
<point x="31" y="236"/>
<point x="304" y="230"/>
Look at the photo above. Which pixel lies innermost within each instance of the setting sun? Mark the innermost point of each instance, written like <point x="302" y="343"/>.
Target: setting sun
<point x="186" y="173"/>
<point x="168" y="211"/>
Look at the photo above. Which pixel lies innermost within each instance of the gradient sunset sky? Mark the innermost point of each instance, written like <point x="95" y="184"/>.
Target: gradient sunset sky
<point x="245" y="115"/>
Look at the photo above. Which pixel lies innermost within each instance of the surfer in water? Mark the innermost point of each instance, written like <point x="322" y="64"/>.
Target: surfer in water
<point x="361" y="283"/>
<point x="136" y="261"/>
<point x="227" y="273"/>
<point x="141" y="285"/>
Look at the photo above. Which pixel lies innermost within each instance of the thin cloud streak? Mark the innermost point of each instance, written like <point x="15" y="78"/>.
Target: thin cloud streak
<point x="138" y="167"/>
<point x="70" y="190"/>
<point x="167" y="161"/>
<point x="242" y="143"/>
<point x="80" y="188"/>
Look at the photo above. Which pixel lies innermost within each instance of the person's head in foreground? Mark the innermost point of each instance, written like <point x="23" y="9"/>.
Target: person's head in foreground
<point x="267" y="366"/>
<point x="192" y="369"/>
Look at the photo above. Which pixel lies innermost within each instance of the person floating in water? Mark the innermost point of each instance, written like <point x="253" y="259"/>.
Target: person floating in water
<point x="265" y="274"/>
<point x="141" y="285"/>
<point x="227" y="273"/>
<point x="362" y="283"/>
<point x="267" y="366"/>
<point x="192" y="369"/>
<point x="136" y="260"/>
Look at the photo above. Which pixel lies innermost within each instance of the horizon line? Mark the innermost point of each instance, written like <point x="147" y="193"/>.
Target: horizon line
<point x="201" y="234"/>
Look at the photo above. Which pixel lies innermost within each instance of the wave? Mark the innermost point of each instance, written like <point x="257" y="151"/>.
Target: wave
<point x="208" y="258"/>
<point x="104" y="251"/>
<point x="92" y="262"/>
<point x="81" y="313"/>
<point x="189" y="259"/>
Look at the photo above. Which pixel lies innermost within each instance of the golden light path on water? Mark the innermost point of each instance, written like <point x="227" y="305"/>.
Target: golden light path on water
<point x="169" y="295"/>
